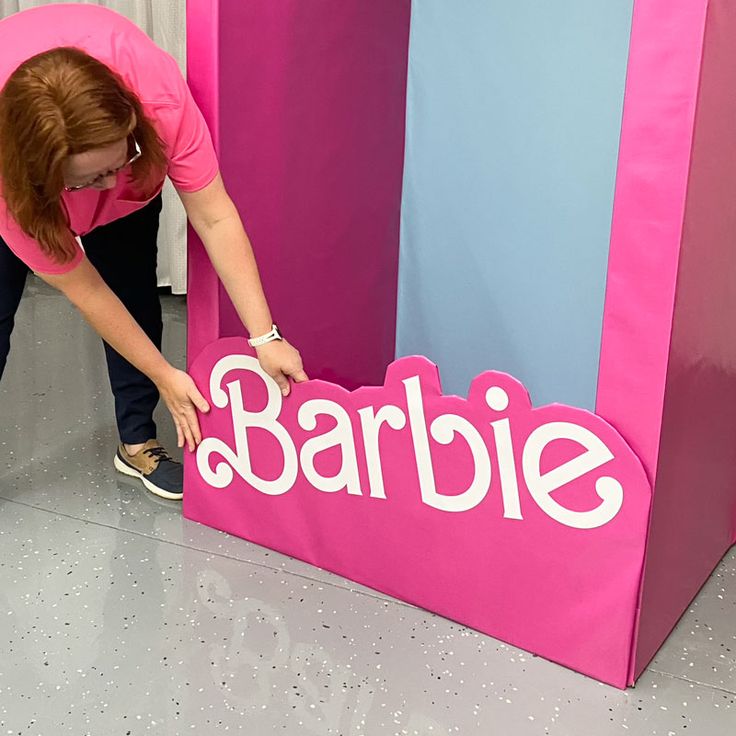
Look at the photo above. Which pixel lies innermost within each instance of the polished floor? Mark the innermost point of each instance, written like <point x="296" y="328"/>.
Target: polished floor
<point x="118" y="616"/>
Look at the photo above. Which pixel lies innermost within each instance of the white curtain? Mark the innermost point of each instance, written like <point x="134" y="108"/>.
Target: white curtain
<point x="165" y="22"/>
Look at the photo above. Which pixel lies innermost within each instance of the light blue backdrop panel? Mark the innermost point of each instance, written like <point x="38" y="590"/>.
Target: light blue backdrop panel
<point x="513" y="126"/>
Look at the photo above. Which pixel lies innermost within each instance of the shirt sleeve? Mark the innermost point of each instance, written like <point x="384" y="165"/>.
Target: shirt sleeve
<point x="29" y="250"/>
<point x="192" y="158"/>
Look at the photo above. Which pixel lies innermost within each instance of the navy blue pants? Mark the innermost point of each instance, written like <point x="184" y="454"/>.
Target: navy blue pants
<point x="124" y="253"/>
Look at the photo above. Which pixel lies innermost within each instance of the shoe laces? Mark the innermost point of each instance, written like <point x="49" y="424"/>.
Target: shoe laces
<point x="159" y="453"/>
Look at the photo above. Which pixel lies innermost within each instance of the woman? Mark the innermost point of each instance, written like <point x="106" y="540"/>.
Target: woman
<point x="93" y="116"/>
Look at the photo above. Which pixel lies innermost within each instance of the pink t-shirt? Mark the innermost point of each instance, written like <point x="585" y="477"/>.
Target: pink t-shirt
<point x="147" y="70"/>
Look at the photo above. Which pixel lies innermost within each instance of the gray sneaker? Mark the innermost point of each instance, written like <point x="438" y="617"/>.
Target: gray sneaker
<point x="154" y="466"/>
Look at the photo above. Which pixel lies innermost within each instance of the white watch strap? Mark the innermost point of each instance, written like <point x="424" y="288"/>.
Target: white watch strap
<point x="254" y="342"/>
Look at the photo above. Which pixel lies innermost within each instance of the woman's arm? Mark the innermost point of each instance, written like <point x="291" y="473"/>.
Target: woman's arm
<point x="84" y="287"/>
<point x="217" y="222"/>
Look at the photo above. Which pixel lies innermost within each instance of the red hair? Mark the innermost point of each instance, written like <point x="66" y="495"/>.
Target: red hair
<point x="55" y="105"/>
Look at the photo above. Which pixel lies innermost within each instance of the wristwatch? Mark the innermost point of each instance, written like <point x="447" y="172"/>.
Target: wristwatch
<point x="255" y="342"/>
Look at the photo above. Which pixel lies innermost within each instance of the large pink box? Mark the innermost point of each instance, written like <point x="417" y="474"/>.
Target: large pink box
<point x="446" y="502"/>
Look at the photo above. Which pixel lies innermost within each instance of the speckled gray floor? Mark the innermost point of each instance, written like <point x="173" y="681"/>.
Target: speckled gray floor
<point x="117" y="616"/>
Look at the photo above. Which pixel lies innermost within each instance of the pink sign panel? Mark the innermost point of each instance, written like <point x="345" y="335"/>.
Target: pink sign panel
<point x="525" y="523"/>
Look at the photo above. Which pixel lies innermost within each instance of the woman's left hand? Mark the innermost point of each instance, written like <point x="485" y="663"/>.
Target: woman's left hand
<point x="281" y="361"/>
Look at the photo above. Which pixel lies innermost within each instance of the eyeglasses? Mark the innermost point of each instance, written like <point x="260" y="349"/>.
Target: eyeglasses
<point x="112" y="172"/>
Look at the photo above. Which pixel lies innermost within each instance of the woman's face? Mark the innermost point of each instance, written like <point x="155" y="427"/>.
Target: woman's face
<point x="92" y="169"/>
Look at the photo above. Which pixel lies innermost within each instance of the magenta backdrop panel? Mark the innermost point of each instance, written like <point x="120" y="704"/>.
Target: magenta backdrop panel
<point x="694" y="513"/>
<point x="527" y="524"/>
<point x="310" y="113"/>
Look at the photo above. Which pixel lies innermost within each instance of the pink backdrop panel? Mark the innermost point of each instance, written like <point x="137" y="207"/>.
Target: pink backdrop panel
<point x="310" y="113"/>
<point x="527" y="524"/>
<point x="648" y="212"/>
<point x="694" y="512"/>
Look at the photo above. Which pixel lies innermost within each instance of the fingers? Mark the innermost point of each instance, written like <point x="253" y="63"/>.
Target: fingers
<point x="184" y="434"/>
<point x="189" y="436"/>
<point x="187" y="425"/>
<point x="187" y="428"/>
<point x="283" y="383"/>
<point x="194" y="425"/>
<point x="282" y="379"/>
<point x="300" y="376"/>
<point x="282" y="373"/>
<point x="190" y="426"/>
<point x="183" y="398"/>
<point x="281" y="361"/>
<point x="198" y="400"/>
<point x="179" y="433"/>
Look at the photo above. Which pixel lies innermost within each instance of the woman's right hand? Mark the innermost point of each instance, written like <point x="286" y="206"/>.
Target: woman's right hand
<point x="181" y="396"/>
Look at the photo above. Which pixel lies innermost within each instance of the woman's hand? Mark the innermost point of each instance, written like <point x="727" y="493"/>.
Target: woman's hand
<point x="181" y="396"/>
<point x="281" y="361"/>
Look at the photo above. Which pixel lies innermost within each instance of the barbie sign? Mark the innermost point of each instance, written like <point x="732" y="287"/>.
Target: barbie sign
<point x="499" y="515"/>
<point x="445" y="451"/>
